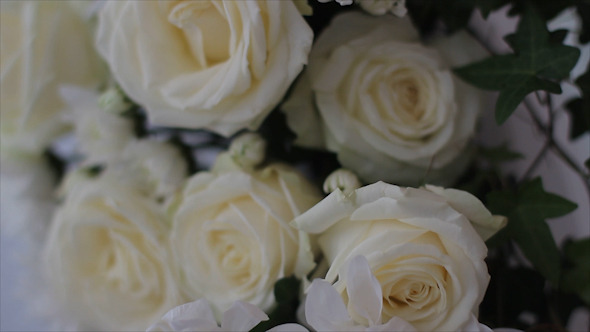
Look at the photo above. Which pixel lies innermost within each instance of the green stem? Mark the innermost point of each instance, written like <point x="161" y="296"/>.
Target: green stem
<point x="556" y="147"/>
<point x="537" y="160"/>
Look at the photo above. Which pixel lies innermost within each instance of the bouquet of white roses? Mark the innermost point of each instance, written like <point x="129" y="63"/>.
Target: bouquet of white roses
<point x="170" y="157"/>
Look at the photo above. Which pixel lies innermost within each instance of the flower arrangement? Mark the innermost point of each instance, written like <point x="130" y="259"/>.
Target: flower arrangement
<point x="290" y="165"/>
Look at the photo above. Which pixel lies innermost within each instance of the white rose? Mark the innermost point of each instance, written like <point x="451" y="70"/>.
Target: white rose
<point x="231" y="237"/>
<point x="101" y="136"/>
<point x="390" y="107"/>
<point x="107" y="258"/>
<point x="42" y="44"/>
<point x="427" y="257"/>
<point x="220" y="65"/>
<point x="158" y="169"/>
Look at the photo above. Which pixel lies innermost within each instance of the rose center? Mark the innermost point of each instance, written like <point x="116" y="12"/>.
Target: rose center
<point x="231" y="254"/>
<point x="412" y="290"/>
<point x="205" y="28"/>
<point x="414" y="296"/>
<point x="407" y="96"/>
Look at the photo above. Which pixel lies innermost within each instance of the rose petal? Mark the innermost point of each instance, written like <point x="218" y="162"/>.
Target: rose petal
<point x="324" y="309"/>
<point x="242" y="316"/>
<point x="364" y="291"/>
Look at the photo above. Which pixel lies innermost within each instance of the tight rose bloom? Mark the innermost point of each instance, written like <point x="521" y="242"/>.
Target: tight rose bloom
<point x="389" y="106"/>
<point x="425" y="253"/>
<point x="231" y="237"/>
<point x="219" y="65"/>
<point x="107" y="258"/>
<point x="42" y="44"/>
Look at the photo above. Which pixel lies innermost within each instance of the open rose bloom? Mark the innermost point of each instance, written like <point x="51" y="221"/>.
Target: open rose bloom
<point x="425" y="254"/>
<point x="386" y="104"/>
<point x="231" y="237"/>
<point x="220" y="65"/>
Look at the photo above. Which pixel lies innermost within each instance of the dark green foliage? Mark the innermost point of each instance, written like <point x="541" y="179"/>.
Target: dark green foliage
<point x="526" y="209"/>
<point x="286" y="293"/>
<point x="537" y="64"/>
<point x="499" y="154"/>
<point x="546" y="9"/>
<point x="511" y="292"/>
<point x="576" y="277"/>
<point x="579" y="108"/>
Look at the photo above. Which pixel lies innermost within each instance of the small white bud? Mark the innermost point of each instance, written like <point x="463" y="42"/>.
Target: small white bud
<point x="342" y="179"/>
<point x="248" y="150"/>
<point x="113" y="101"/>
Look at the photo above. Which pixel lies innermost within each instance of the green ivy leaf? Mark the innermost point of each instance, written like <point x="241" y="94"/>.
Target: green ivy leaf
<point x="536" y="64"/>
<point x="526" y="209"/>
<point x="498" y="154"/>
<point x="579" y="108"/>
<point x="577" y="278"/>
<point x="546" y="9"/>
<point x="286" y="292"/>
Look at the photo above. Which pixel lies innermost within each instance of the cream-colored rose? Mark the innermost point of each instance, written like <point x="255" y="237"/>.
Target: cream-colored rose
<point x="231" y="237"/>
<point x="220" y="65"/>
<point x="101" y="136"/>
<point x="389" y="106"/>
<point x="426" y="255"/>
<point x="42" y="44"/>
<point x="108" y="260"/>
